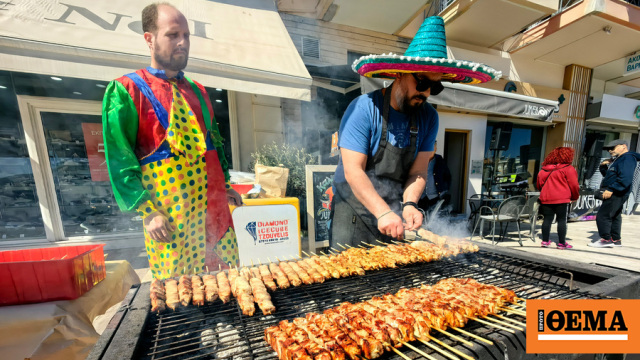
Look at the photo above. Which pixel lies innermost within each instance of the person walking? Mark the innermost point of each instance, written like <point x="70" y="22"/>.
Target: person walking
<point x="558" y="185"/>
<point x="616" y="183"/>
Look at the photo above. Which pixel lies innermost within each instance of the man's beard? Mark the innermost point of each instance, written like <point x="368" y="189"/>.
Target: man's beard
<point x="405" y="103"/>
<point x="172" y="63"/>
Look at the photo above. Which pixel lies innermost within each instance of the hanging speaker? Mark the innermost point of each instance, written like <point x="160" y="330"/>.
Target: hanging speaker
<point x="501" y="136"/>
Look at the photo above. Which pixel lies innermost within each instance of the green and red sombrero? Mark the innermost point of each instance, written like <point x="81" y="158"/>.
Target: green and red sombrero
<point x="426" y="53"/>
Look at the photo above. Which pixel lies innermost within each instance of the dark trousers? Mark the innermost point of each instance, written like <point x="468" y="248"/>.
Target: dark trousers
<point x="560" y="212"/>
<point x="609" y="217"/>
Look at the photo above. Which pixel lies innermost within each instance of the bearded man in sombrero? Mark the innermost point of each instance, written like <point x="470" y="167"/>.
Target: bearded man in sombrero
<point x="387" y="137"/>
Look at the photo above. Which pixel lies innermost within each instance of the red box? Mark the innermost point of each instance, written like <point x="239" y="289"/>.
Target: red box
<point x="47" y="274"/>
<point x="242" y="188"/>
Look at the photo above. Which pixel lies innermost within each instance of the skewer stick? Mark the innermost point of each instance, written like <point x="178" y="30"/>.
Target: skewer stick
<point x="323" y="253"/>
<point x="349" y="246"/>
<point x="517" y="312"/>
<point x="504" y="323"/>
<point x="259" y="262"/>
<point x="207" y="268"/>
<point x="441" y="351"/>
<point x="455" y="337"/>
<point x="509" y="319"/>
<point x="331" y="252"/>
<point x="336" y="250"/>
<point x="278" y="259"/>
<point x="399" y="353"/>
<point x="427" y="355"/>
<point x="219" y="267"/>
<point x="457" y="352"/>
<point x="381" y="242"/>
<point x="305" y="253"/>
<point x="366" y="243"/>
<point x="251" y="262"/>
<point x="341" y="245"/>
<point x="480" y="338"/>
<point x="312" y="253"/>
<point x="395" y="242"/>
<point x="269" y="260"/>
<point x="521" y="299"/>
<point x="491" y="324"/>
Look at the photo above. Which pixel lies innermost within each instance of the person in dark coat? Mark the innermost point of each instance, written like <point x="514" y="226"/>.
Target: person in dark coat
<point x="558" y="185"/>
<point x="617" y="175"/>
<point x="438" y="182"/>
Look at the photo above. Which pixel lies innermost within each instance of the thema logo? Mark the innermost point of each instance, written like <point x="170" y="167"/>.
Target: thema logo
<point x="582" y="326"/>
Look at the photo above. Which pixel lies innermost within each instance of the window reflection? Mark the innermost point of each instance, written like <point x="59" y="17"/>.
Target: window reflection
<point x="516" y="167"/>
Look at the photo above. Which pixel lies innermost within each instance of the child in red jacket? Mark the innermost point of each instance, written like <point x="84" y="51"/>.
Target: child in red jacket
<point x="558" y="185"/>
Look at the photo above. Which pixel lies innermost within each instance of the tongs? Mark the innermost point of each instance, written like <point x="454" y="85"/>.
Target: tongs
<point x="412" y="235"/>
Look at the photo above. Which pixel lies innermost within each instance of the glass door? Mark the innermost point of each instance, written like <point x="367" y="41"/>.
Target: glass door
<point x="74" y="181"/>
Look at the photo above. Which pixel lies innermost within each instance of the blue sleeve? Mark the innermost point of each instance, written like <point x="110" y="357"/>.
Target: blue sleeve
<point x="355" y="128"/>
<point x="431" y="130"/>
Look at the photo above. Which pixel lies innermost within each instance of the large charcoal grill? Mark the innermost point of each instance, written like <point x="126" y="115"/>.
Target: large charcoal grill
<point x="221" y="332"/>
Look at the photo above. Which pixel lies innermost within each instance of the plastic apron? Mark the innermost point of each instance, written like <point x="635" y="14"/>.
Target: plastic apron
<point x="192" y="195"/>
<point x="388" y="170"/>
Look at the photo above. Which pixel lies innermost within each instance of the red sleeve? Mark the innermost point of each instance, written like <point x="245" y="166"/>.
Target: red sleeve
<point x="572" y="179"/>
<point x="539" y="180"/>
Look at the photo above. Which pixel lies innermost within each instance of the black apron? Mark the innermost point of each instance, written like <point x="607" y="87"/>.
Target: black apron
<point x="388" y="170"/>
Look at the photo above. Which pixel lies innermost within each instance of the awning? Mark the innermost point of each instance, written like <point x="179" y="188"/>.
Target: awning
<point x="482" y="100"/>
<point x="615" y="111"/>
<point x="236" y="45"/>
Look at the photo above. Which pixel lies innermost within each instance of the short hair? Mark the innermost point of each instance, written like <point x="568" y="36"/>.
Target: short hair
<point x="150" y="16"/>
<point x="559" y="155"/>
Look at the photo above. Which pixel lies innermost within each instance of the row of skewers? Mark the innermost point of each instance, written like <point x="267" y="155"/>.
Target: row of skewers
<point x="369" y="328"/>
<point x="252" y="285"/>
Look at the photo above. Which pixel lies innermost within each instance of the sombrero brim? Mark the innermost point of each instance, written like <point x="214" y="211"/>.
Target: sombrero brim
<point x="459" y="71"/>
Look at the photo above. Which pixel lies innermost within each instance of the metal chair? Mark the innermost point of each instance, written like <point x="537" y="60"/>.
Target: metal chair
<point x="475" y="203"/>
<point x="509" y="211"/>
<point x="530" y="214"/>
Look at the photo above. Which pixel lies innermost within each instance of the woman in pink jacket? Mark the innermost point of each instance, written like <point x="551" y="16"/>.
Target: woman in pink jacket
<point x="558" y="185"/>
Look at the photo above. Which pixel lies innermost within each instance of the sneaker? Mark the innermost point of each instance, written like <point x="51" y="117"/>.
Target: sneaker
<point x="602" y="243"/>
<point x="617" y="243"/>
<point x="564" y="246"/>
<point x="545" y="243"/>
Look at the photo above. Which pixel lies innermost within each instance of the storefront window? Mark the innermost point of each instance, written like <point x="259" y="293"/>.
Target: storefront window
<point x="20" y="215"/>
<point x="220" y="103"/>
<point x="593" y="155"/>
<point x="516" y="162"/>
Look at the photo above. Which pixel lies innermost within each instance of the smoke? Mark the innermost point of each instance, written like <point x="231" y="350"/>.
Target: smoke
<point x="445" y="225"/>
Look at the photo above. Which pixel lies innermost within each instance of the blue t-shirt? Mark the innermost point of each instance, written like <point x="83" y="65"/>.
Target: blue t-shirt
<point x="362" y="124"/>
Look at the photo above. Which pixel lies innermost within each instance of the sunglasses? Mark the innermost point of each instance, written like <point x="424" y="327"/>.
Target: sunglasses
<point x="426" y="84"/>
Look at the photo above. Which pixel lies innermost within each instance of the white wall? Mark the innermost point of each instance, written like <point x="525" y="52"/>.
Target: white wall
<point x="259" y="123"/>
<point x="477" y="124"/>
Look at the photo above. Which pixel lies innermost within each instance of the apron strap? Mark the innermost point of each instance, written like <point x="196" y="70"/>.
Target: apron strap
<point x="413" y="126"/>
<point x="161" y="112"/>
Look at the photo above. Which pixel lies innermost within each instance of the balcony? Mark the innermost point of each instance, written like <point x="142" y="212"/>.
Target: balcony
<point x="588" y="33"/>
<point x="484" y="23"/>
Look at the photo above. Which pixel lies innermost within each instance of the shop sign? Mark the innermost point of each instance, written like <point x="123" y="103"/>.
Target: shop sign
<point x="637" y="113"/>
<point x="535" y="110"/>
<point x="631" y="64"/>
<point x="586" y="207"/>
<point x="266" y="231"/>
<point x="94" y="144"/>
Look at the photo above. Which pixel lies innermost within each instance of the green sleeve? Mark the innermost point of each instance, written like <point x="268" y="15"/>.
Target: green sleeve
<point x="217" y="141"/>
<point x="120" y="127"/>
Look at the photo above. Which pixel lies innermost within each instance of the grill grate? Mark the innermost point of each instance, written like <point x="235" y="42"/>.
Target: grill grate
<point x="221" y="332"/>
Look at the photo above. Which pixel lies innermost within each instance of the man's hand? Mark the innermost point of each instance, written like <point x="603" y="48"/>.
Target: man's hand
<point x="158" y="227"/>
<point x="233" y="197"/>
<point x="607" y="194"/>
<point x="391" y="225"/>
<point x="412" y="218"/>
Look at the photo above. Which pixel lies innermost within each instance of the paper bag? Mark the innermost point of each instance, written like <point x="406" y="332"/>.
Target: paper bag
<point x="273" y="180"/>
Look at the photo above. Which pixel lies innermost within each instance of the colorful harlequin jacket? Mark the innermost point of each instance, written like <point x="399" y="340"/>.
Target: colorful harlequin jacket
<point x="132" y="131"/>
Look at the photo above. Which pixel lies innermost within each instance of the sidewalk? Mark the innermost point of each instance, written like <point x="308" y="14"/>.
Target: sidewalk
<point x="579" y="234"/>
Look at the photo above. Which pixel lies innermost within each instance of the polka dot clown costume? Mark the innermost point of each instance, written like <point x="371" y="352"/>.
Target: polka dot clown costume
<point x="164" y="153"/>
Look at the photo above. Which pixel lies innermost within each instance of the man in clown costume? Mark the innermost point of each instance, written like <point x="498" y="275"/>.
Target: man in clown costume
<point x="165" y="156"/>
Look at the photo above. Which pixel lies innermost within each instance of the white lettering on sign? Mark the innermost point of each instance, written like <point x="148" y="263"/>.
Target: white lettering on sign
<point x="631" y="64"/>
<point x="533" y="110"/>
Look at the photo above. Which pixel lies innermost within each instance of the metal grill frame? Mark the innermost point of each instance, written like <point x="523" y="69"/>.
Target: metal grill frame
<point x="135" y="333"/>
